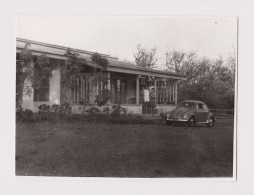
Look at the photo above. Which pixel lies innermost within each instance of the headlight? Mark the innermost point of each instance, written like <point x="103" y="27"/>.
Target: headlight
<point x="185" y="115"/>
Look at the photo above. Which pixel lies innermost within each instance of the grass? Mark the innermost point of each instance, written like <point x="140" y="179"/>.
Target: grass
<point x="116" y="150"/>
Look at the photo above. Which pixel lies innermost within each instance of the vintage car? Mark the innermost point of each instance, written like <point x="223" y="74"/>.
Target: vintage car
<point x="191" y="112"/>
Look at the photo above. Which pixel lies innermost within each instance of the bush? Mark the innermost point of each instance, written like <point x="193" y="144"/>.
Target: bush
<point x="44" y="108"/>
<point x="55" y="108"/>
<point x="163" y="116"/>
<point x="102" y="98"/>
<point x="65" y="109"/>
<point x="47" y="112"/>
<point x="106" y="110"/>
<point x="117" y="110"/>
<point x="93" y="113"/>
<point x="26" y="116"/>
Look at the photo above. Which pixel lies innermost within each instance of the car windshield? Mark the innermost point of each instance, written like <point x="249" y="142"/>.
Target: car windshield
<point x="186" y="105"/>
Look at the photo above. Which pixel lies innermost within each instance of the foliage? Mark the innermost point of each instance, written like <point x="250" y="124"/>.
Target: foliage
<point x="30" y="71"/>
<point x="44" y="108"/>
<point x="106" y="110"/>
<point x="55" y="108"/>
<point x="65" y="109"/>
<point x="145" y="58"/>
<point x="146" y="80"/>
<point x="93" y="113"/>
<point x="46" y="111"/>
<point x="211" y="81"/>
<point x="73" y="67"/>
<point x="24" y="116"/>
<point x="102" y="98"/>
<point x="117" y="110"/>
<point x="96" y="57"/>
<point x="163" y="115"/>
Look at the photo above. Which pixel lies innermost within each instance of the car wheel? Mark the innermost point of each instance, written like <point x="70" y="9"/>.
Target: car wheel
<point x="210" y="122"/>
<point x="167" y="122"/>
<point x="191" y="121"/>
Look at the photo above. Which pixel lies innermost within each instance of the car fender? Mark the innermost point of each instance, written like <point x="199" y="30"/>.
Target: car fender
<point x="210" y="115"/>
<point x="190" y="114"/>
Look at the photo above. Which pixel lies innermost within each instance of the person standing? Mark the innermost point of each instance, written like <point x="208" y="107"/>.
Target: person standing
<point x="146" y="99"/>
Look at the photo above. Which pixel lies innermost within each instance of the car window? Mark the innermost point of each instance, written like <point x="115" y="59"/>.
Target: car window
<point x="205" y="108"/>
<point x="200" y="106"/>
<point x="186" y="105"/>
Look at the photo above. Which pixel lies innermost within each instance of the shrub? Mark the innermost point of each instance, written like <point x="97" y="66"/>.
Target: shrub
<point x="106" y="110"/>
<point x="26" y="116"/>
<point x="102" y="98"/>
<point x="44" y="108"/>
<point x="155" y="111"/>
<point x="65" y="109"/>
<point x="93" y="113"/>
<point x="163" y="116"/>
<point x="55" y="108"/>
<point x="117" y="110"/>
<point x="44" y="112"/>
<point x="47" y="112"/>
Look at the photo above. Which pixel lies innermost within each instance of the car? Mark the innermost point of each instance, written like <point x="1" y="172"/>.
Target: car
<point x="191" y="112"/>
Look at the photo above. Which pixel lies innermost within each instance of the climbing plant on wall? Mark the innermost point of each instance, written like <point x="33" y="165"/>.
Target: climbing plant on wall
<point x="30" y="72"/>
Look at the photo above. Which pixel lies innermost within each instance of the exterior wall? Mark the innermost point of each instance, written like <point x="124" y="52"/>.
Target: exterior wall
<point x="54" y="94"/>
<point x="131" y="88"/>
<point x="131" y="109"/>
<point x="165" y="108"/>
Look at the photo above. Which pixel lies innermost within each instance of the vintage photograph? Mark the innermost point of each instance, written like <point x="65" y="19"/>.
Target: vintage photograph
<point x="126" y="96"/>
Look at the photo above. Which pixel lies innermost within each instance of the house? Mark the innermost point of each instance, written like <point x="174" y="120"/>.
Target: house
<point x="125" y="81"/>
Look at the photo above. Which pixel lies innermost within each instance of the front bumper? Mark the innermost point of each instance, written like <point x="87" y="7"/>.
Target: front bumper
<point x="177" y="120"/>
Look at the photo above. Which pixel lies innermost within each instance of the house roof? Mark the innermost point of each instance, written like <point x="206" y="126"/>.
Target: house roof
<point x="115" y="65"/>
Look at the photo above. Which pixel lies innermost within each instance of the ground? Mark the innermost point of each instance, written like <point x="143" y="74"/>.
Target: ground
<point x="112" y="150"/>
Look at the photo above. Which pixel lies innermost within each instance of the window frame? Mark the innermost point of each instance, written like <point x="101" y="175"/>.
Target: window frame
<point x="38" y="91"/>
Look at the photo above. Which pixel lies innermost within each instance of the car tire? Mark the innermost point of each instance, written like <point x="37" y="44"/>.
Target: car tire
<point x="191" y="121"/>
<point x="211" y="122"/>
<point x="168" y="123"/>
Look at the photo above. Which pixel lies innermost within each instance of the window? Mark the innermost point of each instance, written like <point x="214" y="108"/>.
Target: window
<point x="165" y="93"/>
<point x="41" y="85"/>
<point x="85" y="90"/>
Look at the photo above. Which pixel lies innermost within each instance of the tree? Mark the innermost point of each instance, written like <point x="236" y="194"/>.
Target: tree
<point x="211" y="81"/>
<point x="145" y="58"/>
<point x="27" y="76"/>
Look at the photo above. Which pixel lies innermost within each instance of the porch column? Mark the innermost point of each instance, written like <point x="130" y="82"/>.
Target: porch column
<point x="155" y="90"/>
<point x="108" y="85"/>
<point x="176" y="92"/>
<point x="137" y="89"/>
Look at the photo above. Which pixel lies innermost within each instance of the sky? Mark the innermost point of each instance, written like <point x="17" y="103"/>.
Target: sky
<point x="119" y="36"/>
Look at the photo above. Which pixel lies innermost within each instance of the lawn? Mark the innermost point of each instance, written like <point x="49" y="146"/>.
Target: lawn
<point x="87" y="149"/>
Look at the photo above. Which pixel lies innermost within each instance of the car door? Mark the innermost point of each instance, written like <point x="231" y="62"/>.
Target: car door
<point x="201" y="113"/>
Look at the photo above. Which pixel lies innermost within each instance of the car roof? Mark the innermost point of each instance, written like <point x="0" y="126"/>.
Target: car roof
<point x="193" y="101"/>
